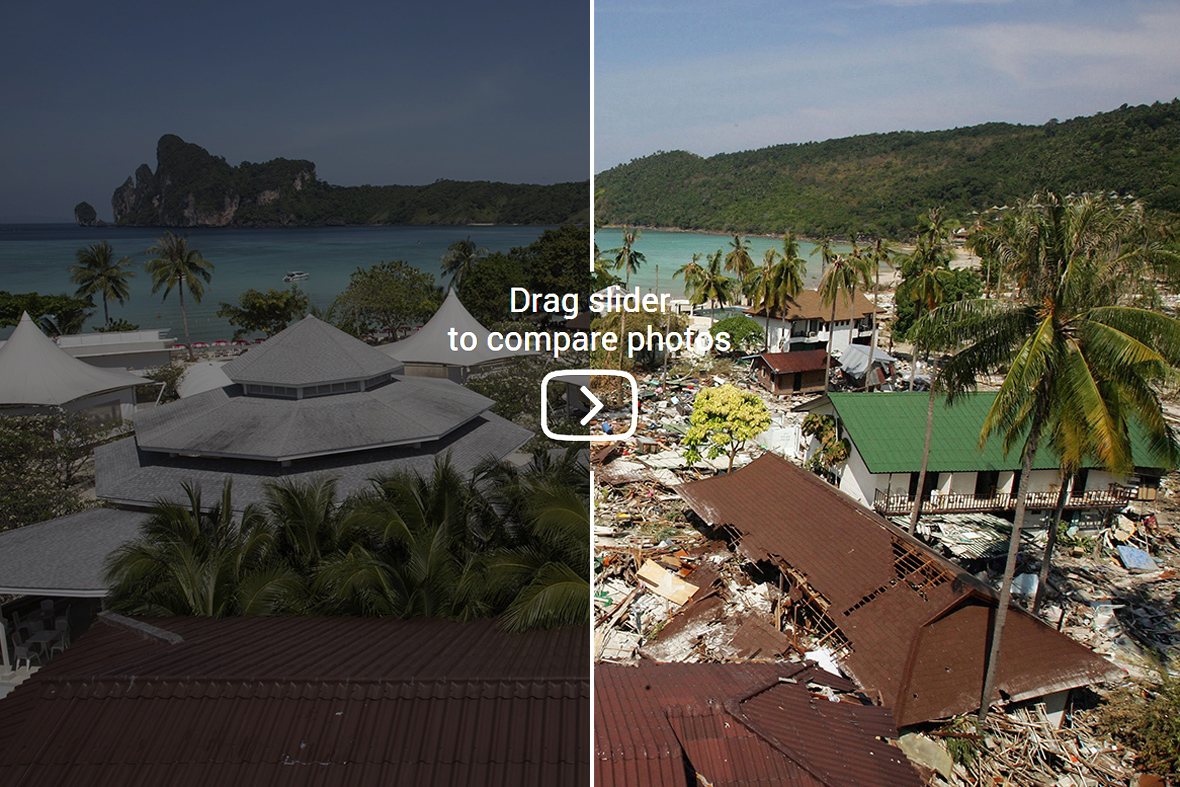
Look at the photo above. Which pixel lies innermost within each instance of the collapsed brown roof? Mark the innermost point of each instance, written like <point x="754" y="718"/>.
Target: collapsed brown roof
<point x="294" y="701"/>
<point x="808" y="305"/>
<point x="798" y="361"/>
<point x="674" y="725"/>
<point x="909" y="624"/>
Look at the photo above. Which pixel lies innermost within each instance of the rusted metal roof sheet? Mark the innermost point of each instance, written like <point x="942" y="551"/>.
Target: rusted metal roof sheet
<point x="297" y="701"/>
<point x="917" y="625"/>
<point x="799" y="361"/>
<point x="738" y="724"/>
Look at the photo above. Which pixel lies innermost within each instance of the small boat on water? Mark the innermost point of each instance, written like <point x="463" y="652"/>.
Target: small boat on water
<point x="296" y="276"/>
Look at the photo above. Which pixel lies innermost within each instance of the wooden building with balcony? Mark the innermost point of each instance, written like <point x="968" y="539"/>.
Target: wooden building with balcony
<point x="804" y="323"/>
<point x="886" y="434"/>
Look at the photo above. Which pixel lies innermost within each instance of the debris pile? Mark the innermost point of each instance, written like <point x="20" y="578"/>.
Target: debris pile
<point x="1024" y="748"/>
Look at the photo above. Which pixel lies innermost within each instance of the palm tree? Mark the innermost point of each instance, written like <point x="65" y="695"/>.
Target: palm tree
<point x="739" y="263"/>
<point x="547" y="572"/>
<point x="713" y="286"/>
<point x="188" y="561"/>
<point x="460" y="260"/>
<point x="780" y="280"/>
<point x="97" y="272"/>
<point x="881" y="253"/>
<point x="627" y="259"/>
<point x="840" y="280"/>
<point x="1081" y="361"/>
<point x="691" y="273"/>
<point x="177" y="266"/>
<point x="926" y="272"/>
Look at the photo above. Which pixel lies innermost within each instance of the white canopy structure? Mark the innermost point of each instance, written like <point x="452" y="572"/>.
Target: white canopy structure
<point x="201" y="377"/>
<point x="427" y="352"/>
<point x="36" y="375"/>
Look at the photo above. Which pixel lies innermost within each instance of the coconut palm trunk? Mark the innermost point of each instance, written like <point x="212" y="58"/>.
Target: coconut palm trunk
<point x="1051" y="541"/>
<point x="919" y="496"/>
<point x="831" y="332"/>
<point x="993" y="657"/>
<point x="184" y="321"/>
<point x="873" y="338"/>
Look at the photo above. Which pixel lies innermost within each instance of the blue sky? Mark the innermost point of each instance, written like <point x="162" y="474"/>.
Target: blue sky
<point x="372" y="92"/>
<point x="684" y="75"/>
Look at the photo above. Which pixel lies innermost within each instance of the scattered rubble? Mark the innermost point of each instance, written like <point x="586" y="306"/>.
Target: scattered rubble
<point x="665" y="592"/>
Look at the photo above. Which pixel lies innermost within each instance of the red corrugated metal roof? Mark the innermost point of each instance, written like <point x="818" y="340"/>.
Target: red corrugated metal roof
<point x="798" y="361"/>
<point x="917" y="624"/>
<point x="737" y="724"/>
<point x="296" y="701"/>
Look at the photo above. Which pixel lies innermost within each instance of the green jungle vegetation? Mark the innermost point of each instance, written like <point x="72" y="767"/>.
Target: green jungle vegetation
<point x="192" y="187"/>
<point x="879" y="183"/>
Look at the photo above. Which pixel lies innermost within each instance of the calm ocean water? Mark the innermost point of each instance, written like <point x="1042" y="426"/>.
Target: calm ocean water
<point x="37" y="257"/>
<point x="668" y="251"/>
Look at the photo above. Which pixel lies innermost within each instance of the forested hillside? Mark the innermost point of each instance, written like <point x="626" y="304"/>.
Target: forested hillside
<point x="880" y="183"/>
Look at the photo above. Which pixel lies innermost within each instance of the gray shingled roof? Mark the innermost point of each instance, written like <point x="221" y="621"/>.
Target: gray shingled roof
<point x="310" y="352"/>
<point x="123" y="473"/>
<point x="64" y="557"/>
<point x="223" y="422"/>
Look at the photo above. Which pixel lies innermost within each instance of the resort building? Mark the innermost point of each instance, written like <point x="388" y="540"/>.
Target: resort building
<point x="120" y="349"/>
<point x="886" y="433"/>
<point x="805" y="322"/>
<point x="801" y="371"/>
<point x="900" y="619"/>
<point x="38" y="376"/>
<point x="311" y="400"/>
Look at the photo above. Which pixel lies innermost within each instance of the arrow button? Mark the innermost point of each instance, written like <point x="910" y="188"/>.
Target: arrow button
<point x="594" y="400"/>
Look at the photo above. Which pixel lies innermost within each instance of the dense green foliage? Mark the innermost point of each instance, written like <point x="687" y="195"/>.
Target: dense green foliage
<point x="878" y="183"/>
<point x="558" y="262"/>
<point x="40" y="458"/>
<point x="722" y="420"/>
<point x="958" y="285"/>
<point x="56" y="314"/>
<point x="509" y="543"/>
<point x="263" y="312"/>
<point x="386" y="296"/>
<point x="745" y="335"/>
<point x="168" y="375"/>
<point x="203" y="189"/>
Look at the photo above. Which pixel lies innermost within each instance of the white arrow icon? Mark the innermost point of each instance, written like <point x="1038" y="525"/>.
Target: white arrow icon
<point x="593" y="410"/>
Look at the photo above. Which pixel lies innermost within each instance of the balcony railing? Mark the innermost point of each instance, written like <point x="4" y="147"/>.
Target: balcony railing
<point x="895" y="504"/>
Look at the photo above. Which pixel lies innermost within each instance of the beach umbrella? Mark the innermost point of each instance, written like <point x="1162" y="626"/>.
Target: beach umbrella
<point x="221" y="343"/>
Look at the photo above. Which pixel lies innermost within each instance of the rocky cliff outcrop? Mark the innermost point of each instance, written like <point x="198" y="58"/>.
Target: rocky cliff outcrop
<point x="87" y="216"/>
<point x="192" y="188"/>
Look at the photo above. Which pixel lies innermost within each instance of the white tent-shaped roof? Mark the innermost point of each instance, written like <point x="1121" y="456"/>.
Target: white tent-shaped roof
<point x="431" y="344"/>
<point x="35" y="372"/>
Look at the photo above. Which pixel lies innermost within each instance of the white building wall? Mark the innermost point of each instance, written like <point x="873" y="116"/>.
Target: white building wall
<point x="856" y="480"/>
<point x="960" y="483"/>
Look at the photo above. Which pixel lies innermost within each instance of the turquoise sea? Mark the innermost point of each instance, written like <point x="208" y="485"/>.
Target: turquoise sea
<point x="667" y="251"/>
<point x="37" y="257"/>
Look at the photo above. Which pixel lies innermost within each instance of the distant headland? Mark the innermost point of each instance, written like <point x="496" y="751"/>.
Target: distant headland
<point x="192" y="188"/>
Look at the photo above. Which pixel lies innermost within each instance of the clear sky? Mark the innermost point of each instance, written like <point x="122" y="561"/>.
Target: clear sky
<point x="372" y="92"/>
<point x="710" y="78"/>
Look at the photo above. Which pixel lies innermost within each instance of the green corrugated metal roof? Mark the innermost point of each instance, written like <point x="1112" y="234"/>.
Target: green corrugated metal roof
<point x="889" y="429"/>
